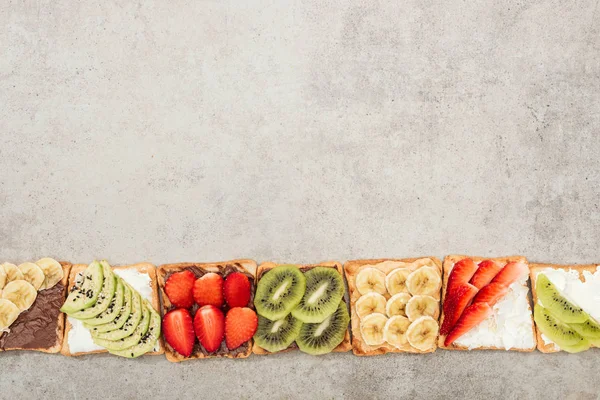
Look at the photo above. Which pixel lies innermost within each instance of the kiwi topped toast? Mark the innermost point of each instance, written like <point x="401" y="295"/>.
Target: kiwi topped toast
<point x="301" y="307"/>
<point x="566" y="315"/>
<point x="395" y="304"/>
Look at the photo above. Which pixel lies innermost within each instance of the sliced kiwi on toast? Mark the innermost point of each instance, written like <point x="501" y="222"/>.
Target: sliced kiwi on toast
<point x="589" y="329"/>
<point x="557" y="331"/>
<point x="130" y="340"/>
<point x="147" y="342"/>
<point x="130" y="325"/>
<point x="121" y="318"/>
<point x="323" y="337"/>
<point x="86" y="290"/>
<point x="279" y="291"/>
<point x="324" y="291"/>
<point x="113" y="309"/>
<point x="557" y="304"/>
<point x="104" y="298"/>
<point x="277" y="335"/>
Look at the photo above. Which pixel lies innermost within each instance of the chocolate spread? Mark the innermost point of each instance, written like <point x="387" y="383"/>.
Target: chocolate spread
<point x="37" y="328"/>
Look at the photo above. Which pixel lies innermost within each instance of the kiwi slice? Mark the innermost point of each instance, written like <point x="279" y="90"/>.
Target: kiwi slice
<point x="130" y="325"/>
<point x="277" y="335"/>
<point x="147" y="342"/>
<point x="86" y="290"/>
<point x="113" y="309"/>
<point x="556" y="304"/>
<point x="104" y="298"/>
<point x="589" y="329"/>
<point x="323" y="337"/>
<point x="324" y="291"/>
<point x="279" y="291"/>
<point x="123" y="316"/>
<point x="131" y="340"/>
<point x="558" y="332"/>
<point x="583" y="345"/>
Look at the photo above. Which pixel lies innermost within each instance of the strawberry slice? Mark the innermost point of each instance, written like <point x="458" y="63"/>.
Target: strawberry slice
<point x="461" y="273"/>
<point x="454" y="305"/>
<point x="487" y="270"/>
<point x="240" y="326"/>
<point x="208" y="290"/>
<point x="209" y="325"/>
<point x="237" y="290"/>
<point x="471" y="317"/>
<point x="510" y="273"/>
<point x="491" y="293"/>
<point x="178" y="331"/>
<point x="179" y="289"/>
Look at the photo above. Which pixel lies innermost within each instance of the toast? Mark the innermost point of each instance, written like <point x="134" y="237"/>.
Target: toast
<point x="55" y="321"/>
<point x="247" y="267"/>
<point x="449" y="262"/>
<point x="534" y="269"/>
<point x="351" y="270"/>
<point x="265" y="267"/>
<point x="144" y="268"/>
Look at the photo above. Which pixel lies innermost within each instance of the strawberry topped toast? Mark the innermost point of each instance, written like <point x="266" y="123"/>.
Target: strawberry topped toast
<point x="486" y="305"/>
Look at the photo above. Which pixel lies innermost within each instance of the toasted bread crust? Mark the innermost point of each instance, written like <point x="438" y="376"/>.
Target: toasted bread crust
<point x="351" y="269"/>
<point x="248" y="266"/>
<point x="533" y="271"/>
<point x="343" y="347"/>
<point x="148" y="268"/>
<point x="449" y="262"/>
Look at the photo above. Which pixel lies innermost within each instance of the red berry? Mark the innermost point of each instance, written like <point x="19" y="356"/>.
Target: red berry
<point x="237" y="290"/>
<point x="240" y="326"/>
<point x="179" y="289"/>
<point x="209" y="324"/>
<point x="178" y="331"/>
<point x="208" y="290"/>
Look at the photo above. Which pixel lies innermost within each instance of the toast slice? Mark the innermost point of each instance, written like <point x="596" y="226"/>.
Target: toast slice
<point x="543" y="345"/>
<point x="265" y="267"/>
<point x="351" y="270"/>
<point x="449" y="262"/>
<point x="73" y="327"/>
<point x="50" y="326"/>
<point x="247" y="267"/>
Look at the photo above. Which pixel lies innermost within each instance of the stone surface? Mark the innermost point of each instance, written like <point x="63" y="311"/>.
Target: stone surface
<point x="298" y="132"/>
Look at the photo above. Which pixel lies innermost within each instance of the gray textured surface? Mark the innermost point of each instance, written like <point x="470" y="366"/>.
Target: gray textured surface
<point x="209" y="130"/>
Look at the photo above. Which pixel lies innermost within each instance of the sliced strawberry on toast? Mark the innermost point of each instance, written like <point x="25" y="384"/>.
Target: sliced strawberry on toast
<point x="237" y="290"/>
<point x="209" y="325"/>
<point x="487" y="270"/>
<point x="511" y="272"/>
<point x="471" y="317"/>
<point x="179" y="289"/>
<point x="208" y="290"/>
<point x="491" y="294"/>
<point x="240" y="325"/>
<point x="178" y="331"/>
<point x="455" y="303"/>
<point x="461" y="273"/>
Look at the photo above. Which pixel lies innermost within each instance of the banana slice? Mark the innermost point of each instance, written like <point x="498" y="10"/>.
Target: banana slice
<point x="370" y="303"/>
<point x="370" y="280"/>
<point x="371" y="329"/>
<point x="425" y="280"/>
<point x="394" y="331"/>
<point x="2" y="277"/>
<point x="395" y="281"/>
<point x="423" y="333"/>
<point x="21" y="293"/>
<point x="13" y="272"/>
<point x="396" y="304"/>
<point x="53" y="272"/>
<point x="420" y="306"/>
<point x="8" y="314"/>
<point x="32" y="274"/>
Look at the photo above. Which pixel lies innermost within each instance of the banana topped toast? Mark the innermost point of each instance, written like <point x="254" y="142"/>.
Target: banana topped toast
<point x="208" y="309"/>
<point x="112" y="309"/>
<point x="567" y="310"/>
<point x="32" y="294"/>
<point x="485" y="304"/>
<point x="395" y="305"/>
<point x="301" y="307"/>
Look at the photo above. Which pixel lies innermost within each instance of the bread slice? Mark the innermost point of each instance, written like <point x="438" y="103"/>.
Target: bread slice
<point x="144" y="268"/>
<point x="245" y="266"/>
<point x="449" y="262"/>
<point x="351" y="270"/>
<point x="267" y="266"/>
<point x="59" y="322"/>
<point x="533" y="271"/>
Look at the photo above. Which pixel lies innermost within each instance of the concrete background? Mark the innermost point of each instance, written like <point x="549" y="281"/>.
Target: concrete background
<point x="298" y="132"/>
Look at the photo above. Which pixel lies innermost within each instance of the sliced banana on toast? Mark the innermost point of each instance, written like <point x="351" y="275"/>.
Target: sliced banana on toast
<point x="422" y="305"/>
<point x="394" y="331"/>
<point x="371" y="329"/>
<point x="370" y="303"/>
<point x="9" y="313"/>
<point x="52" y="270"/>
<point x="422" y="333"/>
<point x="13" y="272"/>
<point x="21" y="293"/>
<point x="425" y="281"/>
<point x="2" y="277"/>
<point x="395" y="281"/>
<point x="396" y="305"/>
<point x="370" y="280"/>
<point x="32" y="274"/>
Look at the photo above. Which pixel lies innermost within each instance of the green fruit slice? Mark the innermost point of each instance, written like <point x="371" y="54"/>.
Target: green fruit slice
<point x="322" y="338"/>
<point x="277" y="335"/>
<point x="86" y="290"/>
<point x="556" y="304"/>
<point x="113" y="309"/>
<point x="554" y="329"/>
<point x="279" y="291"/>
<point x="104" y="298"/>
<point x="147" y="342"/>
<point x="131" y="340"/>
<point x="589" y="329"/>
<point x="324" y="291"/>
<point x="123" y="316"/>
<point x="132" y="322"/>
<point x="583" y="345"/>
